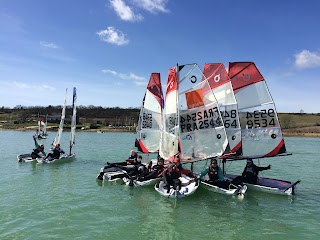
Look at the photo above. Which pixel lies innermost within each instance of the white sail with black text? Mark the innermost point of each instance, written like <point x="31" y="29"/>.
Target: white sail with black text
<point x="220" y="83"/>
<point x="150" y="117"/>
<point x="193" y="126"/>
<point x="260" y="127"/>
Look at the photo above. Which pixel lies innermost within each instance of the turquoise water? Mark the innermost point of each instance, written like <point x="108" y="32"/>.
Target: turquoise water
<point x="64" y="200"/>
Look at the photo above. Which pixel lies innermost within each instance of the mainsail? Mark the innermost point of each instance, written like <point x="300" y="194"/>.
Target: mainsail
<point x="150" y="118"/>
<point x="73" y="119"/>
<point x="220" y="83"/>
<point x="193" y="126"/>
<point x="260" y="127"/>
<point x="63" y="115"/>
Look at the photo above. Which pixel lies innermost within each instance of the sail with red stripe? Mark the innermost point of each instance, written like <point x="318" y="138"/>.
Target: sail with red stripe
<point x="150" y="118"/>
<point x="193" y="125"/>
<point x="260" y="127"/>
<point x="220" y="83"/>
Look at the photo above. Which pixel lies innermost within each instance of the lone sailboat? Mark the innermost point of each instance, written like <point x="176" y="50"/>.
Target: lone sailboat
<point x="260" y="127"/>
<point x="57" y="139"/>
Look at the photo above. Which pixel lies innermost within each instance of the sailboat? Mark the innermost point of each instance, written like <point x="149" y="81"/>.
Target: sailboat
<point x="29" y="157"/>
<point x="149" y="125"/>
<point x="148" y="133"/>
<point x="70" y="154"/>
<point x="260" y="128"/>
<point x="41" y="132"/>
<point x="193" y="126"/>
<point x="217" y="77"/>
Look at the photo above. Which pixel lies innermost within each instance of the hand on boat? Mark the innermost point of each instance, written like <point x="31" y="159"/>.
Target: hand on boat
<point x="269" y="166"/>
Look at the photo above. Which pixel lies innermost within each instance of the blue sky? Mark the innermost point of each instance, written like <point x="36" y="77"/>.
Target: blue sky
<point x="109" y="48"/>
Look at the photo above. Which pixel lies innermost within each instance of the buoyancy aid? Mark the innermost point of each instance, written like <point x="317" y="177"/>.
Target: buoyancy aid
<point x="213" y="173"/>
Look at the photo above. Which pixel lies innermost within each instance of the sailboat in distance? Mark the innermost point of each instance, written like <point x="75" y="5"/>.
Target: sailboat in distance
<point x="260" y="126"/>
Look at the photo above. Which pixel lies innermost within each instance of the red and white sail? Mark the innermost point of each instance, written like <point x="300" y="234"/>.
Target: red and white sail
<point x="260" y="127"/>
<point x="150" y="118"/>
<point x="220" y="83"/>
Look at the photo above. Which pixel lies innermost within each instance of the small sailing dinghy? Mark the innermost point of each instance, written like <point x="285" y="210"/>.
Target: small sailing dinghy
<point x="188" y="187"/>
<point x="70" y="155"/>
<point x="149" y="129"/>
<point x="37" y="154"/>
<point x="193" y="127"/>
<point x="41" y="132"/>
<point x="261" y="133"/>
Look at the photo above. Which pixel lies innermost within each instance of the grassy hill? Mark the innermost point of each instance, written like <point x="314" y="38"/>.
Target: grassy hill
<point x="117" y="119"/>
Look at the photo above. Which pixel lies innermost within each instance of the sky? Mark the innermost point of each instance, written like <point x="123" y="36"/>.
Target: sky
<point x="108" y="49"/>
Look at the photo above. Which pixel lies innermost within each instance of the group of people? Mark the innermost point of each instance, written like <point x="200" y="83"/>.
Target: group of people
<point x="171" y="173"/>
<point x="38" y="151"/>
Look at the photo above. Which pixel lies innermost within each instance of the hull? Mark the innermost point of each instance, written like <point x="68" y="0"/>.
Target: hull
<point x="27" y="158"/>
<point x="136" y="183"/>
<point x="240" y="191"/>
<point x="112" y="174"/>
<point x="271" y="185"/>
<point x="188" y="187"/>
<point x="63" y="158"/>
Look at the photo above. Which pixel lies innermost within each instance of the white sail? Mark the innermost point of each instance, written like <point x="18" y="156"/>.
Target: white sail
<point x="150" y="118"/>
<point x="57" y="139"/>
<point x="193" y="125"/>
<point x="221" y="86"/>
<point x="73" y="120"/>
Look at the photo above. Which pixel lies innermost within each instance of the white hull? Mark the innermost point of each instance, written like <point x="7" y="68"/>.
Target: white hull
<point x="136" y="183"/>
<point x="113" y="174"/>
<point x="27" y="158"/>
<point x="235" y="191"/>
<point x="271" y="185"/>
<point x="188" y="187"/>
<point x="63" y="158"/>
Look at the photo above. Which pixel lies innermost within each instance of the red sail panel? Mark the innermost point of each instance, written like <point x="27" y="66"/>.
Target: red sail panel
<point x="172" y="80"/>
<point x="154" y="87"/>
<point x="281" y="148"/>
<point x="243" y="74"/>
<point x="216" y="74"/>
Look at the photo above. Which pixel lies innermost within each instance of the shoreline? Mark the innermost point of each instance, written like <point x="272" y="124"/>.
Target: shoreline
<point x="286" y="133"/>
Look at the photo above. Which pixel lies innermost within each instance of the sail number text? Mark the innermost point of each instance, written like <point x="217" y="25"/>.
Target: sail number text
<point x="230" y="118"/>
<point x="263" y="118"/>
<point x="147" y="120"/>
<point x="208" y="118"/>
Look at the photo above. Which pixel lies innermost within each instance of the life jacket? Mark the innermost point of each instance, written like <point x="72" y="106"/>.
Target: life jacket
<point x="213" y="173"/>
<point x="174" y="172"/>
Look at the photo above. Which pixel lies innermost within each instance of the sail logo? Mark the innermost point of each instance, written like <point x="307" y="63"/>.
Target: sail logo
<point x="246" y="77"/>
<point x="217" y="78"/>
<point x="193" y="79"/>
<point x="187" y="137"/>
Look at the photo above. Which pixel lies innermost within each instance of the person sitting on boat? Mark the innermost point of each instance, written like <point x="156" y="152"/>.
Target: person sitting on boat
<point x="251" y="171"/>
<point x="132" y="160"/>
<point x="154" y="171"/>
<point x="36" y="153"/>
<point x="172" y="174"/>
<point x="215" y="175"/>
<point x="56" y="152"/>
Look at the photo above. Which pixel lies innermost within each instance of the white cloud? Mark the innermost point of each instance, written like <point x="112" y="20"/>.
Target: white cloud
<point x="140" y="81"/>
<point x="152" y="6"/>
<point x="48" y="44"/>
<point x="114" y="36"/>
<point x="124" y="11"/>
<point x="307" y="59"/>
<point x="42" y="87"/>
